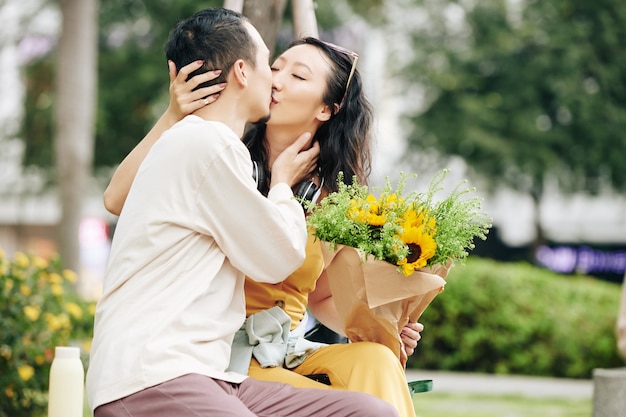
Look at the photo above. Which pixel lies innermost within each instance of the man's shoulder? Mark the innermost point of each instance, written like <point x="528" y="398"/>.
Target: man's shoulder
<point x="196" y="133"/>
<point x="203" y="128"/>
<point x="194" y="139"/>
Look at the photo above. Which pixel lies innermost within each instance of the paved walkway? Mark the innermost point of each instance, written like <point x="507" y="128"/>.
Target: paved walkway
<point x="504" y="384"/>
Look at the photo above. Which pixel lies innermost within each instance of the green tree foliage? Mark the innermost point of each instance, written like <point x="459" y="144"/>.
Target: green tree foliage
<point x="133" y="71"/>
<point x="132" y="79"/>
<point x="371" y="10"/>
<point x="37" y="125"/>
<point x="132" y="76"/>
<point x="527" y="93"/>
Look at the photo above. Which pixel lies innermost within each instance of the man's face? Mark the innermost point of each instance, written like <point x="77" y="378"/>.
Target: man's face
<point x="260" y="83"/>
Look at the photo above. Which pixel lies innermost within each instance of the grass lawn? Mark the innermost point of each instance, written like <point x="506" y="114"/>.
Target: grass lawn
<point x="432" y="404"/>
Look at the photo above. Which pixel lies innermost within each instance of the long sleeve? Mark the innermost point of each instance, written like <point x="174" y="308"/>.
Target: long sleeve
<point x="192" y="225"/>
<point x="271" y="232"/>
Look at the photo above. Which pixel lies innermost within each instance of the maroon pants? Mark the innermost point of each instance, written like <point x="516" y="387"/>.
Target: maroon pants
<point x="200" y="396"/>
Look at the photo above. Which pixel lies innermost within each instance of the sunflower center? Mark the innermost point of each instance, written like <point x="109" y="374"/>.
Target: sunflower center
<point x="414" y="253"/>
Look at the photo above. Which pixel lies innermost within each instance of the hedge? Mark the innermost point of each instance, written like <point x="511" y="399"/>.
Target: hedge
<point x="39" y="310"/>
<point x="517" y="318"/>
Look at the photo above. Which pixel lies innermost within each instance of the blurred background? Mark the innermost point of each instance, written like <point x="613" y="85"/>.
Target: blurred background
<point x="524" y="98"/>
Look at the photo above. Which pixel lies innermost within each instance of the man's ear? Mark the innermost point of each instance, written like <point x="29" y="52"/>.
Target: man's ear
<point x="325" y="113"/>
<point x="240" y="73"/>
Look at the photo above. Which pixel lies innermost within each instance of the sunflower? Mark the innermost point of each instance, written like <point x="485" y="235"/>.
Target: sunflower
<point x="422" y="247"/>
<point x="355" y="213"/>
<point x="375" y="219"/>
<point x="392" y="201"/>
<point x="418" y="216"/>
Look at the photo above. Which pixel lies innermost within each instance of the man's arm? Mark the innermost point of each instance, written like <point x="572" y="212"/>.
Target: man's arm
<point x="183" y="101"/>
<point x="263" y="237"/>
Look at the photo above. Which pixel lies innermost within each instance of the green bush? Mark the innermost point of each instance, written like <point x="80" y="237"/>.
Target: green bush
<point x="39" y="309"/>
<point x="520" y="319"/>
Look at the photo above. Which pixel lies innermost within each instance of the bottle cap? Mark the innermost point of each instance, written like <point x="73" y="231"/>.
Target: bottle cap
<point x="64" y="352"/>
<point x="423" y="385"/>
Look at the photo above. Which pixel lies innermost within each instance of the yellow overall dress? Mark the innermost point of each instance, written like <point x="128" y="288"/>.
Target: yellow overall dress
<point x="364" y="366"/>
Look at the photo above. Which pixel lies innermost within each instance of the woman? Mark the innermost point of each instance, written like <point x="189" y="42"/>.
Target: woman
<point x="316" y="89"/>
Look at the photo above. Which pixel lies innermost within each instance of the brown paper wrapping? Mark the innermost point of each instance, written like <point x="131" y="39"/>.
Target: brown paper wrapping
<point x="374" y="300"/>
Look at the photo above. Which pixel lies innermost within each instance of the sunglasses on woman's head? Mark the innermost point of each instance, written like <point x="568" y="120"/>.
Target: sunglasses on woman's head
<point x="353" y="56"/>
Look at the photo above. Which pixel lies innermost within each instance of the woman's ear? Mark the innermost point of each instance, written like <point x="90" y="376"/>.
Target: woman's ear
<point x="240" y="73"/>
<point x="325" y="113"/>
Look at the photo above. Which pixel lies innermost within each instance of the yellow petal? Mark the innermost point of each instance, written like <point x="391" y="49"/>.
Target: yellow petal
<point x="25" y="372"/>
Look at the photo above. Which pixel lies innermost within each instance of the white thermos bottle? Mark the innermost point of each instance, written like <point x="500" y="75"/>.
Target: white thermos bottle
<point x="67" y="382"/>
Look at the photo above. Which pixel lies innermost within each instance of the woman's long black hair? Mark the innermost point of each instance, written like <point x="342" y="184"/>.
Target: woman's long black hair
<point x="345" y="138"/>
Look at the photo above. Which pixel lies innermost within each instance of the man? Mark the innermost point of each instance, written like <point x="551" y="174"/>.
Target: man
<point x="192" y="225"/>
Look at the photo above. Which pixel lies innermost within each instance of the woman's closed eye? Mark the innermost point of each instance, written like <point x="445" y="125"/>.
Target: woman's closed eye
<point x="294" y="75"/>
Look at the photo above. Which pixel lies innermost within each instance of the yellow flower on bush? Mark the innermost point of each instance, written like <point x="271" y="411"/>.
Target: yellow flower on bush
<point x="19" y="274"/>
<point x="56" y="289"/>
<point x="57" y="322"/>
<point x="70" y="276"/>
<point x="5" y="352"/>
<point x="74" y="310"/>
<point x="20" y="260"/>
<point x="25" y="290"/>
<point x="55" y="279"/>
<point x="25" y="372"/>
<point x="65" y="321"/>
<point x="39" y="262"/>
<point x="32" y="312"/>
<point x="50" y="313"/>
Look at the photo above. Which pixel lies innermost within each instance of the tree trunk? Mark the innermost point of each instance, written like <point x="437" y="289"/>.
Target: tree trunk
<point x="536" y="194"/>
<point x="235" y="5"/>
<point x="266" y="16"/>
<point x="75" y="112"/>
<point x="304" y="21"/>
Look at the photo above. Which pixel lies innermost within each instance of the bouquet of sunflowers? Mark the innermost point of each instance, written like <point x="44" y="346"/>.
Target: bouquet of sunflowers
<point x="387" y="257"/>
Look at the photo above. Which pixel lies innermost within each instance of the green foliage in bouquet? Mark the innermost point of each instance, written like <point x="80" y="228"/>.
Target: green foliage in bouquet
<point x="412" y="231"/>
<point x="39" y="309"/>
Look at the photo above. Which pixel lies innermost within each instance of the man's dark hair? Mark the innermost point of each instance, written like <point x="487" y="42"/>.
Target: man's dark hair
<point x="215" y="35"/>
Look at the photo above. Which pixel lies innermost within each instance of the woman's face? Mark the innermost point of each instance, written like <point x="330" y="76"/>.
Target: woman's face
<point x="299" y="82"/>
